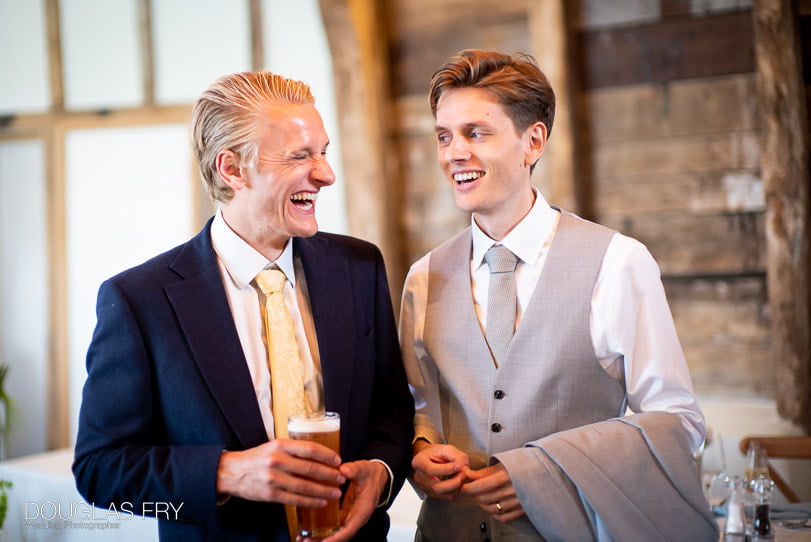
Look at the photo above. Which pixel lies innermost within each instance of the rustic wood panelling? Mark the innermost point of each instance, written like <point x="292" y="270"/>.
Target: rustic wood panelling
<point x="425" y="36"/>
<point x="671" y="123"/>
<point x="724" y="330"/>
<point x="696" y="244"/>
<point x="679" y="108"/>
<point x="410" y="18"/>
<point x="592" y="14"/>
<point x="671" y="49"/>
<point x="429" y="212"/>
<point x="416" y="57"/>
<point x="720" y="191"/>
<point x="672" y="8"/>
<point x="736" y="150"/>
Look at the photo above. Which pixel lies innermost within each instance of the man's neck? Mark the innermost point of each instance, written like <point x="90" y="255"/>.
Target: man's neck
<point x="497" y="223"/>
<point x="267" y="243"/>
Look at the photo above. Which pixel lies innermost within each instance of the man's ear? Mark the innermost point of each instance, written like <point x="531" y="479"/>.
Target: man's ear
<point x="229" y="169"/>
<point x="536" y="142"/>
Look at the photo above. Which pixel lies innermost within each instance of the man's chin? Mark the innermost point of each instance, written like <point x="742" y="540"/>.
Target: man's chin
<point x="306" y="231"/>
<point x="465" y="204"/>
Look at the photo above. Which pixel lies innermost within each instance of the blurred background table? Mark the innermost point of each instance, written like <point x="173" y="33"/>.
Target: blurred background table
<point x="44" y="506"/>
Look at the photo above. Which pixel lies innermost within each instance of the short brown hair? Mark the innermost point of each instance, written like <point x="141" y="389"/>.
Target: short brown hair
<point x="226" y="115"/>
<point x="516" y="81"/>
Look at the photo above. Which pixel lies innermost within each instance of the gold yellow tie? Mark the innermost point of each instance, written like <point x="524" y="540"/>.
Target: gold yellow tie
<point x="284" y="360"/>
<point x="286" y="374"/>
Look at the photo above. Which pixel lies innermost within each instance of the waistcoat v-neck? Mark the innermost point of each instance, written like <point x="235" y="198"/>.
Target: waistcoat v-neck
<point x="549" y="379"/>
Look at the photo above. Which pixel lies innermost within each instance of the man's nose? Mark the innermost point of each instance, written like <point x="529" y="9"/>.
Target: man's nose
<point x="323" y="172"/>
<point x="457" y="149"/>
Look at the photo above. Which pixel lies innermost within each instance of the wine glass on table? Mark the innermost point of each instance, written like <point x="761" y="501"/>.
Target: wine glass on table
<point x="714" y="470"/>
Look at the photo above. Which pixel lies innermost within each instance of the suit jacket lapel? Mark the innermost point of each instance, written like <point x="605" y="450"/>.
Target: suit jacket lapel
<point x="205" y="317"/>
<point x="329" y="286"/>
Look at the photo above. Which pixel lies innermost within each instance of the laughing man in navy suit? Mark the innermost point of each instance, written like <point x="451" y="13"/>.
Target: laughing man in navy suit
<point x="176" y="408"/>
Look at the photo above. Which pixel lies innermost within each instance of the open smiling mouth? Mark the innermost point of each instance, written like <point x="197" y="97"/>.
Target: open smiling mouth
<point x="467" y="176"/>
<point x="304" y="200"/>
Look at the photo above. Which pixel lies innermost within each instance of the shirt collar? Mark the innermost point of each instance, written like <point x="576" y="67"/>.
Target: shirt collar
<point x="526" y="239"/>
<point x="241" y="260"/>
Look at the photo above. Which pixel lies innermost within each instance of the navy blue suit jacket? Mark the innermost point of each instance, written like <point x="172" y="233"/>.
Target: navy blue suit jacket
<point x="168" y="387"/>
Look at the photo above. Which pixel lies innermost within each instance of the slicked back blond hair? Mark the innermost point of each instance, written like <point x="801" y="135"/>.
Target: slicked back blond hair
<point x="226" y="116"/>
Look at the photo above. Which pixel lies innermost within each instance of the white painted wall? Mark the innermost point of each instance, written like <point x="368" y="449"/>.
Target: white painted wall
<point x="196" y="41"/>
<point x="129" y="197"/>
<point x="24" y="291"/>
<point x="23" y="59"/>
<point x="101" y="54"/>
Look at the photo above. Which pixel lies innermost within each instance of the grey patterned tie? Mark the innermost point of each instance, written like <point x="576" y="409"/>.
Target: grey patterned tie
<point x="501" y="300"/>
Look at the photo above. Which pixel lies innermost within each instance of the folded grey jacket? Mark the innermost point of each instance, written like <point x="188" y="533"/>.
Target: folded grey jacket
<point x="636" y="472"/>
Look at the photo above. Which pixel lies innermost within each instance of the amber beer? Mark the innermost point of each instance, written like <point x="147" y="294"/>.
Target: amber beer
<point x="323" y="428"/>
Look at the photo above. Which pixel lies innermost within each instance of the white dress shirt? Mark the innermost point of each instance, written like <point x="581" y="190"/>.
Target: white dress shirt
<point x="631" y="327"/>
<point x="239" y="264"/>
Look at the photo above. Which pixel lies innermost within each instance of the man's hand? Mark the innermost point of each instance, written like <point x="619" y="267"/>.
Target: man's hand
<point x="367" y="480"/>
<point x="282" y="470"/>
<point x="492" y="489"/>
<point x="439" y="469"/>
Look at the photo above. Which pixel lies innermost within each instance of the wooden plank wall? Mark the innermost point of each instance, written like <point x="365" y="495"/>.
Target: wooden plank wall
<point x="669" y="113"/>
<point x="668" y="121"/>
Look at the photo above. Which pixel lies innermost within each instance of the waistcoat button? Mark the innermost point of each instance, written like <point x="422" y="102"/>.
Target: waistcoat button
<point x="496" y="427"/>
<point x="483" y="527"/>
<point x="498" y="394"/>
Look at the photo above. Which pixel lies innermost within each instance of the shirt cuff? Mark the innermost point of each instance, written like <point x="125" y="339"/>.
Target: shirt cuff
<point x="384" y="502"/>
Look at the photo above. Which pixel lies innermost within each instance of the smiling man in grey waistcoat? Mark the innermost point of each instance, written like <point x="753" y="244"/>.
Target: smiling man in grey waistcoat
<point x="526" y="338"/>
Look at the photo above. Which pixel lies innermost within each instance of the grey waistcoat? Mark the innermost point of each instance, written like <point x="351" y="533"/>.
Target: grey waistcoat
<point x="549" y="379"/>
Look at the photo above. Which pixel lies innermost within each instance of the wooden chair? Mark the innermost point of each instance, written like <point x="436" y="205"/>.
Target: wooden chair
<point x="781" y="448"/>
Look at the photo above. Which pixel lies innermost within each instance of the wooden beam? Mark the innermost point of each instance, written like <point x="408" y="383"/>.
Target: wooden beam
<point x="552" y="47"/>
<point x="257" y="35"/>
<point x="358" y="43"/>
<point x="785" y="170"/>
<point x="58" y="408"/>
<point x="147" y="51"/>
<point x="58" y="433"/>
<point x="52" y="23"/>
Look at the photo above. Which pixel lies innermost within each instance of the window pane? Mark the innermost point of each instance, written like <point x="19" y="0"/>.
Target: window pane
<point x="24" y="60"/>
<point x="130" y="196"/>
<point x="101" y="55"/>
<point x="24" y="312"/>
<point x="197" y="41"/>
<point x="284" y="23"/>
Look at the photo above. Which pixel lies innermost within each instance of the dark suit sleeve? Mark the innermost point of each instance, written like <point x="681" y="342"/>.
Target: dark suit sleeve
<point x="392" y="414"/>
<point x="122" y="454"/>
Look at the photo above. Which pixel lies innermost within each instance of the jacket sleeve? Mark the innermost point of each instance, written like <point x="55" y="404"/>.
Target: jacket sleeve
<point x="392" y="407"/>
<point x="121" y="453"/>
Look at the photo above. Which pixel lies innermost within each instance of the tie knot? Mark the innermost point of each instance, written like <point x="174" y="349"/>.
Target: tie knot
<point x="270" y="281"/>
<point x="500" y="259"/>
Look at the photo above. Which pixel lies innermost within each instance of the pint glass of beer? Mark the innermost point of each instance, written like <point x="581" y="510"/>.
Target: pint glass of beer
<point x="323" y="428"/>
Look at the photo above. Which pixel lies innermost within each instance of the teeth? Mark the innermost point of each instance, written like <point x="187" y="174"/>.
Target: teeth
<point x="304" y="196"/>
<point x="467" y="176"/>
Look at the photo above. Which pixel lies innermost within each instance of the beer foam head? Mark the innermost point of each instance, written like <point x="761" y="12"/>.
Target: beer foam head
<point x="314" y="424"/>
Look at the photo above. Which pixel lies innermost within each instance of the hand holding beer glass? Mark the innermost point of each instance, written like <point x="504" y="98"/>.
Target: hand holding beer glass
<point x="323" y="428"/>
